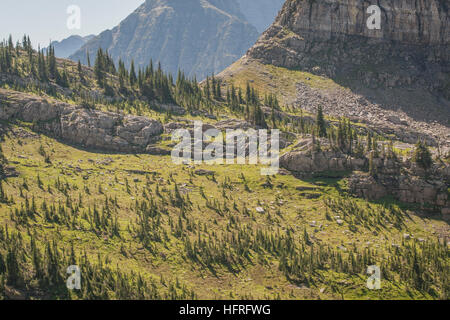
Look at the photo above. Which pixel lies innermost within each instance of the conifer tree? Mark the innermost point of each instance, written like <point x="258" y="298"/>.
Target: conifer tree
<point x="320" y="123"/>
<point x="133" y="77"/>
<point x="422" y="155"/>
<point x="80" y="71"/>
<point x="372" y="169"/>
<point x="99" y="68"/>
<point x="88" y="58"/>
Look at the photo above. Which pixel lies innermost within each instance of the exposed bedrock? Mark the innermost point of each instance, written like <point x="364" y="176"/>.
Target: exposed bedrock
<point x="77" y="125"/>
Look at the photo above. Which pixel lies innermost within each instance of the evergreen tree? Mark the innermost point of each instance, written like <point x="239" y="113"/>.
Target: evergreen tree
<point x="422" y="155"/>
<point x="80" y="71"/>
<point x="320" y="123"/>
<point x="369" y="142"/>
<point x="3" y="196"/>
<point x="88" y="58"/>
<point x="99" y="68"/>
<point x="133" y="77"/>
<point x="51" y="61"/>
<point x="42" y="66"/>
<point x="372" y="169"/>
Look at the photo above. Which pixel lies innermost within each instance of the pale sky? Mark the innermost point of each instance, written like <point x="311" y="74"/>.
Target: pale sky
<point x="45" y="20"/>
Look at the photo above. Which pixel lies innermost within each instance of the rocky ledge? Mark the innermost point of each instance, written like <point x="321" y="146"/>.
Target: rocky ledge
<point x="431" y="193"/>
<point x="78" y="125"/>
<point x="391" y="176"/>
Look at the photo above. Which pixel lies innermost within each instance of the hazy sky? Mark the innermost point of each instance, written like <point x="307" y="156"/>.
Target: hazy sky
<point x="43" y="20"/>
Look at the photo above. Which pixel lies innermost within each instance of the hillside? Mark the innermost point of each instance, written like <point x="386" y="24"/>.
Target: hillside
<point x="86" y="179"/>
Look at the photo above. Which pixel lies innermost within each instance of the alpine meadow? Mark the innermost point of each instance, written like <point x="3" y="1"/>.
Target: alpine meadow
<point x="348" y="105"/>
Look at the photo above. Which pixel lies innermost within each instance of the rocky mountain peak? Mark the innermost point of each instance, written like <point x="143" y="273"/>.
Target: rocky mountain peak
<point x="198" y="36"/>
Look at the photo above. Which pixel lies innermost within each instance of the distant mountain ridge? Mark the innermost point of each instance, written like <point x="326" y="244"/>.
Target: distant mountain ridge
<point x="198" y="36"/>
<point x="68" y="46"/>
<point x="260" y="13"/>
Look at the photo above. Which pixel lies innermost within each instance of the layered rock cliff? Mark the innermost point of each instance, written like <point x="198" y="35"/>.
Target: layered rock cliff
<point x="322" y="53"/>
<point x="331" y="38"/>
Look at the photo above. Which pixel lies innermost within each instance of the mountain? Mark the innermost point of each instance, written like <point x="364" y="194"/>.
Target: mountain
<point x="322" y="53"/>
<point x="87" y="180"/>
<point x="198" y="36"/>
<point x="260" y="13"/>
<point x="333" y="36"/>
<point x="68" y="46"/>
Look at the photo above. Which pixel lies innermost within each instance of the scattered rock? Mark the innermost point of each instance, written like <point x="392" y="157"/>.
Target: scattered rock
<point x="260" y="210"/>
<point x="203" y="172"/>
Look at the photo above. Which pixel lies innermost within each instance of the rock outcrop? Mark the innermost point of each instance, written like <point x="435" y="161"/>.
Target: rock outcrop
<point x="92" y="129"/>
<point x="307" y="159"/>
<point x="406" y="188"/>
<point x="331" y="37"/>
<point x="403" y="180"/>
<point x="431" y="193"/>
<point x="319" y="162"/>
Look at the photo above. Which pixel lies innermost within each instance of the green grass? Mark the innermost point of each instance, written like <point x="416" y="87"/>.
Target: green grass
<point x="221" y="208"/>
<point x="269" y="79"/>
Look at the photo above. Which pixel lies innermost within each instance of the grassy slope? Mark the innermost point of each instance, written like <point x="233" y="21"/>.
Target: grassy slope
<point x="211" y="217"/>
<point x="259" y="277"/>
<point x="271" y="79"/>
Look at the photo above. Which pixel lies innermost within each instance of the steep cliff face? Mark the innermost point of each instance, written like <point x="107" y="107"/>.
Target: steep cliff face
<point x="197" y="36"/>
<point x="331" y="38"/>
<point x="416" y="22"/>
